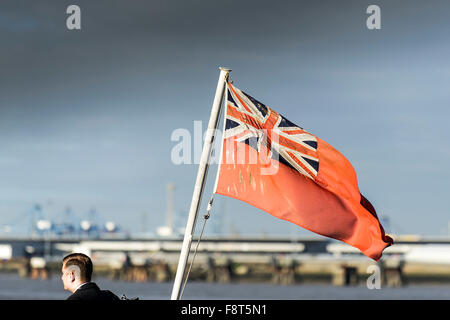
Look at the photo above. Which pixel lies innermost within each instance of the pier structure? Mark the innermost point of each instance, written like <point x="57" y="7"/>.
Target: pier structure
<point x="277" y="260"/>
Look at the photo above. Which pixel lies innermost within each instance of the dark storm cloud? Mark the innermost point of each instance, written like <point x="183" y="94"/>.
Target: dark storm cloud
<point x="86" y="116"/>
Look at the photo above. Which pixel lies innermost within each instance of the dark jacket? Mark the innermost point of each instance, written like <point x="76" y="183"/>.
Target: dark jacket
<point x="90" y="291"/>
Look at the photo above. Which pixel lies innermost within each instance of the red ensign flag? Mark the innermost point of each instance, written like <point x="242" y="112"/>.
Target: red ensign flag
<point x="271" y="163"/>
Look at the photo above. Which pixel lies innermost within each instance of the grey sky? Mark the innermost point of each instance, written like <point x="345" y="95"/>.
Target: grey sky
<point x="86" y="116"/>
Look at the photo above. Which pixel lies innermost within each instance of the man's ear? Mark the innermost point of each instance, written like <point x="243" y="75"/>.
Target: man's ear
<point x="72" y="276"/>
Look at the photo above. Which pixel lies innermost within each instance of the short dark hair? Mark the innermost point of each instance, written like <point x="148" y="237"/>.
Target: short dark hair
<point x="82" y="261"/>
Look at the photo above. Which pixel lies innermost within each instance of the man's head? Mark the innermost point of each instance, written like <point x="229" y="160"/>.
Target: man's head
<point x="76" y="269"/>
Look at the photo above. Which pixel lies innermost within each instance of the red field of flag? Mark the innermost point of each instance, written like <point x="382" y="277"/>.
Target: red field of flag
<point x="271" y="163"/>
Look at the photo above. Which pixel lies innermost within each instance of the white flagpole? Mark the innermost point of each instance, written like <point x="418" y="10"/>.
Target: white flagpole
<point x="200" y="182"/>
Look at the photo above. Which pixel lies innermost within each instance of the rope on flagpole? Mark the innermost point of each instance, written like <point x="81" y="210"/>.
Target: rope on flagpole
<point x="205" y="218"/>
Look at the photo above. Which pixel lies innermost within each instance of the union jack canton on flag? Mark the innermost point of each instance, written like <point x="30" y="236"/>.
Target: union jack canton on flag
<point x="252" y="122"/>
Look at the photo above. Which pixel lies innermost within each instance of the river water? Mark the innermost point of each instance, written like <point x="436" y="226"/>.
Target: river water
<point x="16" y="288"/>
